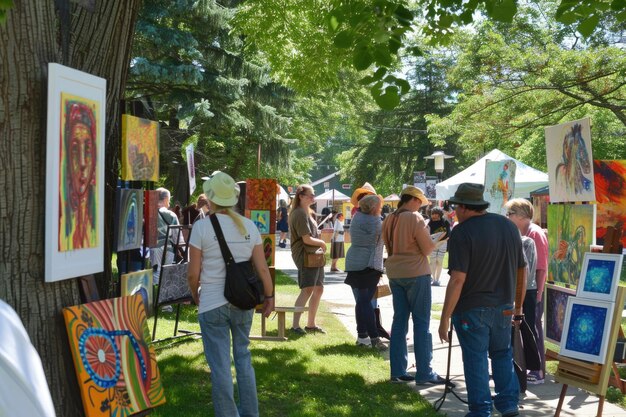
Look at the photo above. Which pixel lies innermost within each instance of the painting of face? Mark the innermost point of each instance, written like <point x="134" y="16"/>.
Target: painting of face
<point x="82" y="158"/>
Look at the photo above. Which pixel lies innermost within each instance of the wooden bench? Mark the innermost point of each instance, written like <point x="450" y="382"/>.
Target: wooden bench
<point x="279" y="312"/>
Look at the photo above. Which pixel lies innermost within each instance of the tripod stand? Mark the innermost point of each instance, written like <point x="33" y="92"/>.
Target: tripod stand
<point x="449" y="387"/>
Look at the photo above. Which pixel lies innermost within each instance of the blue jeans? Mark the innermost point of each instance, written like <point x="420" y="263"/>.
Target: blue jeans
<point x="217" y="325"/>
<point x="411" y="296"/>
<point x="486" y="331"/>
<point x="365" y="318"/>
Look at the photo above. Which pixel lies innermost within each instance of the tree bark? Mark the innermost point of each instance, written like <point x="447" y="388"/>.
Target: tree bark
<point x="99" y="44"/>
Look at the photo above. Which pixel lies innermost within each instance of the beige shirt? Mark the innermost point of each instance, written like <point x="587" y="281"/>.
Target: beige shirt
<point x="408" y="243"/>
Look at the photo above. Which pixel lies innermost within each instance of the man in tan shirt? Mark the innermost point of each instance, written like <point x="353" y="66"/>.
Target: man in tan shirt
<point x="408" y="243"/>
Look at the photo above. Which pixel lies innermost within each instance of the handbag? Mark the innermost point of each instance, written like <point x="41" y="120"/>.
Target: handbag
<point x="383" y="289"/>
<point x="242" y="287"/>
<point x="314" y="258"/>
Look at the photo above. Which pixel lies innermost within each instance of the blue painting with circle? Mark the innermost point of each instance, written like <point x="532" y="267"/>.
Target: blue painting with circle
<point x="586" y="329"/>
<point x="599" y="276"/>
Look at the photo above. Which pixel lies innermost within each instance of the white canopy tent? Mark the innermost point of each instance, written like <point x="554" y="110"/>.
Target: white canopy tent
<point x="327" y="198"/>
<point x="527" y="178"/>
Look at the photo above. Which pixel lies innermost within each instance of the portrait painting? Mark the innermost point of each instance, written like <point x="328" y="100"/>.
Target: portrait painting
<point x="556" y="305"/>
<point x="260" y="194"/>
<point x="150" y="217"/>
<point x="571" y="232"/>
<point x="499" y="184"/>
<point x="261" y="218"/>
<point x="570" y="162"/>
<point x="74" y="174"/>
<point x="129" y="218"/>
<point x="116" y="367"/>
<point x="430" y="190"/>
<point x="600" y="276"/>
<point x="191" y="168"/>
<point x="139" y="282"/>
<point x="269" y="248"/>
<point x="610" y="183"/>
<point x="586" y="329"/>
<point x="140" y="149"/>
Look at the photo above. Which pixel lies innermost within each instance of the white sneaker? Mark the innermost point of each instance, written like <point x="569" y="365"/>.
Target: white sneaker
<point x="363" y="341"/>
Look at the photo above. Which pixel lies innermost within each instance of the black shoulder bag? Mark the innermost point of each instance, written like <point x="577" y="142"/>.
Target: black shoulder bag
<point x="242" y="287"/>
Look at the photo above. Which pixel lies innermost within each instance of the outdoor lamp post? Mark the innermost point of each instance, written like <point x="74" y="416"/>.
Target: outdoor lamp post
<point x="439" y="157"/>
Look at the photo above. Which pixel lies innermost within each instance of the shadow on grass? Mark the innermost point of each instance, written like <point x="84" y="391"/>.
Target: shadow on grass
<point x="348" y="349"/>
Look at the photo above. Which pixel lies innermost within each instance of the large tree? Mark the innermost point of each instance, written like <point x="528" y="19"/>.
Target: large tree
<point x="94" y="41"/>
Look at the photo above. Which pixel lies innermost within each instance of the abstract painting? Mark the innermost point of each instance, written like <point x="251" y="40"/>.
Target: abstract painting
<point x="139" y="282"/>
<point x="191" y="168"/>
<point x="610" y="182"/>
<point x="140" y="149"/>
<point x="556" y="306"/>
<point x="499" y="184"/>
<point x="129" y="218"/>
<point x="261" y="194"/>
<point x="570" y="234"/>
<point x="600" y="276"/>
<point x="269" y="248"/>
<point x="74" y="173"/>
<point x="570" y="162"/>
<point x="115" y="365"/>
<point x="261" y="219"/>
<point x="173" y="287"/>
<point x="150" y="217"/>
<point x="586" y="329"/>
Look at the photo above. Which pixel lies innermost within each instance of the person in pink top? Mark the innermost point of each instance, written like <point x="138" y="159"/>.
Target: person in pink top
<point x="520" y="211"/>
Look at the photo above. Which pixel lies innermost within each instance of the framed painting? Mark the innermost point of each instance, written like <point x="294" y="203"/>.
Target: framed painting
<point x="586" y="329"/>
<point x="74" y="174"/>
<point x="499" y="184"/>
<point x="173" y="286"/>
<point x="129" y="218"/>
<point x="115" y="365"/>
<point x="139" y="282"/>
<point x="140" y="149"/>
<point x="556" y="304"/>
<point x="610" y="182"/>
<point x="600" y="276"/>
<point x="150" y="217"/>
<point x="261" y="219"/>
<point x="571" y="231"/>
<point x="261" y="194"/>
<point x="191" y="168"/>
<point x="430" y="189"/>
<point x="570" y="162"/>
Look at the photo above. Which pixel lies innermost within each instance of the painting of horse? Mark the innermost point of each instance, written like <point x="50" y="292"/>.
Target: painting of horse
<point x="570" y="162"/>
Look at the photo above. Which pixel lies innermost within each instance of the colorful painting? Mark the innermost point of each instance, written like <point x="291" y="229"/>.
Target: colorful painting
<point x="139" y="282"/>
<point x="570" y="162"/>
<point x="570" y="234"/>
<point x="261" y="219"/>
<point x="74" y="173"/>
<point x="115" y="365"/>
<point x="150" y="217"/>
<point x="129" y="218"/>
<point x="140" y="149"/>
<point x="191" y="168"/>
<point x="269" y="248"/>
<point x="499" y="184"/>
<point x="556" y="306"/>
<point x="261" y="194"/>
<point x="610" y="182"/>
<point x="600" y="276"/>
<point x="586" y="329"/>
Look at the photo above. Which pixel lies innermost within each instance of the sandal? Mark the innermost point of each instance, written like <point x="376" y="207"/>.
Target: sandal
<point x="298" y="330"/>
<point x="314" y="329"/>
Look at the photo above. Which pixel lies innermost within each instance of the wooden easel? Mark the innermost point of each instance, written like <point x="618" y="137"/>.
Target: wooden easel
<point x="594" y="377"/>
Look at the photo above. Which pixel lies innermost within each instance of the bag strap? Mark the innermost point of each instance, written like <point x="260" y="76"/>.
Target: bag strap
<point x="228" y="257"/>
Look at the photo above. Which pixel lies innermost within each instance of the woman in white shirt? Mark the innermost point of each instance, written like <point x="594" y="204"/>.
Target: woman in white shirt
<point x="337" y="247"/>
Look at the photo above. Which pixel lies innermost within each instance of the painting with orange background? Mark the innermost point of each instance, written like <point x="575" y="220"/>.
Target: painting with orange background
<point x="78" y="186"/>
<point x="610" y="181"/>
<point x="140" y="149"/>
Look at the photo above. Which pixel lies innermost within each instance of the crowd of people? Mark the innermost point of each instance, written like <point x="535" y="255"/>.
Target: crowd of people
<point x="497" y="270"/>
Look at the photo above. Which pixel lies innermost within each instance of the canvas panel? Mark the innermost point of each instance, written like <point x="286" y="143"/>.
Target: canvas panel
<point x="610" y="183"/>
<point x="262" y="220"/>
<point x="173" y="284"/>
<point x="140" y="149"/>
<point x="150" y="216"/>
<point x="555" y="307"/>
<point x="129" y="219"/>
<point x="139" y="282"/>
<point x="261" y="194"/>
<point x="600" y="276"/>
<point x="269" y="248"/>
<point x="499" y="184"/>
<point x="116" y="367"/>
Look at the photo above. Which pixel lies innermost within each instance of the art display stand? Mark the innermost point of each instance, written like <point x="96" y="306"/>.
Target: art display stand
<point x="174" y="232"/>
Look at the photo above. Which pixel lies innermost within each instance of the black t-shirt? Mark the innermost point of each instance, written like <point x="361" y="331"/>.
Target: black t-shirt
<point x="440" y="225"/>
<point x="488" y="248"/>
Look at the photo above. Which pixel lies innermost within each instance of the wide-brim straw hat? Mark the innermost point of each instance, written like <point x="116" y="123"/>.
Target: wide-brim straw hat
<point x="415" y="192"/>
<point x="365" y="189"/>
<point x="221" y="189"/>
<point x="469" y="194"/>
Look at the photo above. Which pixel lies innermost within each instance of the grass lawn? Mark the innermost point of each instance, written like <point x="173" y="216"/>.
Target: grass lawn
<point x="313" y="375"/>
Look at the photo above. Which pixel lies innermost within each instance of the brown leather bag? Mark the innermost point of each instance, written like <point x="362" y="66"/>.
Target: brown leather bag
<point x="314" y="257"/>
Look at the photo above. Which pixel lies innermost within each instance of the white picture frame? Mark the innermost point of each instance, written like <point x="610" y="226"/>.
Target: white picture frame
<point x="599" y="276"/>
<point x="68" y="255"/>
<point x="586" y="329"/>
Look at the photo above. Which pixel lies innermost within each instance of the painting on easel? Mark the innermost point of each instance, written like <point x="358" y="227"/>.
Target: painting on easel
<point x="556" y="306"/>
<point x="600" y="276"/>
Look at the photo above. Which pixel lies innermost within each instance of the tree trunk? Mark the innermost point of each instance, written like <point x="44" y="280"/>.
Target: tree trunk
<point x="99" y="43"/>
